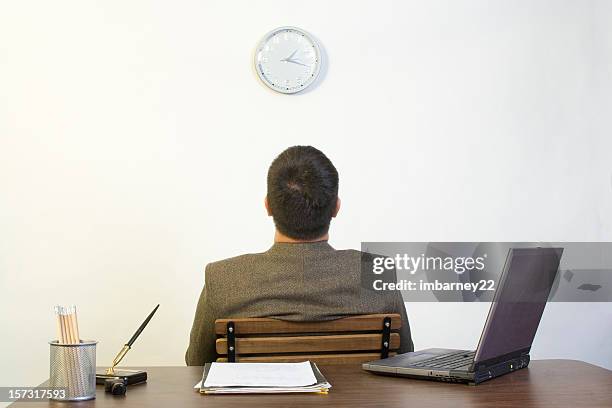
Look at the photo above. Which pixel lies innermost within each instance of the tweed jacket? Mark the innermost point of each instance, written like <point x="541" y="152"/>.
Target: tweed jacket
<point x="290" y="281"/>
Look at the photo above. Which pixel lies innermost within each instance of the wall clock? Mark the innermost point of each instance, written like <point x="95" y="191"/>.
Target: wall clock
<point x="288" y="60"/>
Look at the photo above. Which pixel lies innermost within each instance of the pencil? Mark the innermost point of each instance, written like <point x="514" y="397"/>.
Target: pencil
<point x="74" y="329"/>
<point x="61" y="340"/>
<point x="64" y="351"/>
<point x="75" y="323"/>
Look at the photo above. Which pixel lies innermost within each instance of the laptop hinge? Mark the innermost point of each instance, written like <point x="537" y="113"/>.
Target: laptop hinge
<point x="485" y="364"/>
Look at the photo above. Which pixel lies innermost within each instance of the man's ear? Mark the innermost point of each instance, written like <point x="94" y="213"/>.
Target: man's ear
<point x="267" y="206"/>
<point x="337" y="208"/>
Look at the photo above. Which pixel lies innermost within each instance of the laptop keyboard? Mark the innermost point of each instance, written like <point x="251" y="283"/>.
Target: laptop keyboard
<point x="448" y="361"/>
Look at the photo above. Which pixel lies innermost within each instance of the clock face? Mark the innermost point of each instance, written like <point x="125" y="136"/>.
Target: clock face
<point x="288" y="60"/>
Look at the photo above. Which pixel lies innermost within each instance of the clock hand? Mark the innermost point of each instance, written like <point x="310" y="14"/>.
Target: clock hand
<point x="289" y="58"/>
<point x="297" y="62"/>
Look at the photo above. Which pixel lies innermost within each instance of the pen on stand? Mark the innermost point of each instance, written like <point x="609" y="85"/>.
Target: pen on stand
<point x="128" y="345"/>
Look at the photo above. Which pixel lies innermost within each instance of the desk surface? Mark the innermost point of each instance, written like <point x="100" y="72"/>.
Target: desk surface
<point x="546" y="383"/>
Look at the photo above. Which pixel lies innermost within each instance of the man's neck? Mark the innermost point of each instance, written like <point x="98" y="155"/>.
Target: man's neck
<point x="283" y="239"/>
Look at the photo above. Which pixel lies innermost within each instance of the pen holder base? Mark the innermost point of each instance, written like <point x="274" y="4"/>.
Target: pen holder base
<point x="72" y="368"/>
<point x="132" y="376"/>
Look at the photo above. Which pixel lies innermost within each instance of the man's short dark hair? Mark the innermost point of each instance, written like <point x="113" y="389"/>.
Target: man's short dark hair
<point x="302" y="192"/>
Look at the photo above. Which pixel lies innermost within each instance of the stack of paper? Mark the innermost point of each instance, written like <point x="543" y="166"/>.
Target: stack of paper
<point x="270" y="378"/>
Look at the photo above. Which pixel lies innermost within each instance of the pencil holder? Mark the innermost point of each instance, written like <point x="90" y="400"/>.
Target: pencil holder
<point x="73" y="368"/>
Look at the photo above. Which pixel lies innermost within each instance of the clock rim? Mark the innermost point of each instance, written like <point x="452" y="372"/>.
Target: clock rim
<point x="267" y="37"/>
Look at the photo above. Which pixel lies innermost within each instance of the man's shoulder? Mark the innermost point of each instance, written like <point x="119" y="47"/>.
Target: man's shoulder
<point x="235" y="261"/>
<point x="356" y="254"/>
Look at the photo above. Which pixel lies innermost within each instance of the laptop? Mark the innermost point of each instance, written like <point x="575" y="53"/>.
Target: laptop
<point x="523" y="289"/>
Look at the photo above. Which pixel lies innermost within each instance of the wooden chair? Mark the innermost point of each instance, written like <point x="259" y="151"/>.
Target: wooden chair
<point x="354" y="339"/>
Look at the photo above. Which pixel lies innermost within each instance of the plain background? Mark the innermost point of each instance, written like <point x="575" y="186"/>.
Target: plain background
<point x="135" y="139"/>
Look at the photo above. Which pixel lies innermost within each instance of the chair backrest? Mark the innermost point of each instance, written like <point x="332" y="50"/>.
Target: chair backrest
<point x="353" y="339"/>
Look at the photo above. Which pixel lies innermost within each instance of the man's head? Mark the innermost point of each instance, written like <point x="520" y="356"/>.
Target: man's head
<point x="302" y="193"/>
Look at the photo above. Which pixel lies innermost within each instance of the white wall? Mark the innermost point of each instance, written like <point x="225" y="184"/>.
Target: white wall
<point x="135" y="139"/>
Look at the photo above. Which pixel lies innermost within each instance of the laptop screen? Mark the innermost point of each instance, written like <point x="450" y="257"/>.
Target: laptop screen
<point x="520" y="298"/>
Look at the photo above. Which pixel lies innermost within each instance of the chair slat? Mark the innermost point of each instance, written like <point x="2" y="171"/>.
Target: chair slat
<point x="354" y="358"/>
<point x="371" y="322"/>
<point x="309" y="344"/>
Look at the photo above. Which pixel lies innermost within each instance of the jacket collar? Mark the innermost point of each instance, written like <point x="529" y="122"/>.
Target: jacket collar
<point x="300" y="247"/>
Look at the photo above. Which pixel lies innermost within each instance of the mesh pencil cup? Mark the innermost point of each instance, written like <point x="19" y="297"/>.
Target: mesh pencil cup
<point x="73" y="367"/>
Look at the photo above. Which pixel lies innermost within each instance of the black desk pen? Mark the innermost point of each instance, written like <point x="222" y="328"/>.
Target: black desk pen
<point x="128" y="345"/>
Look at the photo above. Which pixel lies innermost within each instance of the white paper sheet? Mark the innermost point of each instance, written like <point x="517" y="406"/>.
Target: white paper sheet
<point x="260" y="375"/>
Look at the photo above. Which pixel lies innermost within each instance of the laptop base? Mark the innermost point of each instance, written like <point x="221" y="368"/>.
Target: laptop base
<point x="413" y="365"/>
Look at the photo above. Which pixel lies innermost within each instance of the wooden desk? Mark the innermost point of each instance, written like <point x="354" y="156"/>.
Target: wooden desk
<point x="546" y="383"/>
